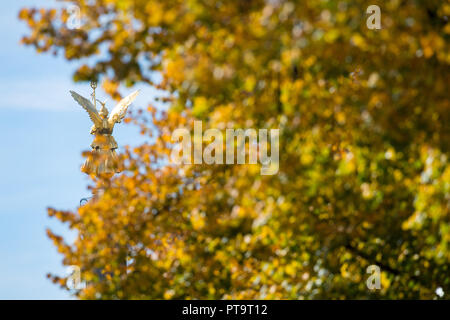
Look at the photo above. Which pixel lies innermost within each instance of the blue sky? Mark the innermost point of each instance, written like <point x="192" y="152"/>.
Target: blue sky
<point x="42" y="132"/>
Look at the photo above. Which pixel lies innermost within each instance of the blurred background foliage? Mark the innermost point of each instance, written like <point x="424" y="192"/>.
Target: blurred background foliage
<point x="364" y="144"/>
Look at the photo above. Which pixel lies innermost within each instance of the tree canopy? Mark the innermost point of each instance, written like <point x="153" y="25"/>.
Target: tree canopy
<point x="364" y="143"/>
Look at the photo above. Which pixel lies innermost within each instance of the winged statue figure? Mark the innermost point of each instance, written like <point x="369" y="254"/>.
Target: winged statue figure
<point x="103" y="159"/>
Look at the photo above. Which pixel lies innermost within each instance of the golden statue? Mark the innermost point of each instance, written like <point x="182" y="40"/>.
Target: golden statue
<point x="102" y="160"/>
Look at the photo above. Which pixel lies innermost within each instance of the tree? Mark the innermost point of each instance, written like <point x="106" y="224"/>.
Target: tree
<point x="364" y="142"/>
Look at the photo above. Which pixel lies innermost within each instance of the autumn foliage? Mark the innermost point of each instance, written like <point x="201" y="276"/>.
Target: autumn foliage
<point x="364" y="177"/>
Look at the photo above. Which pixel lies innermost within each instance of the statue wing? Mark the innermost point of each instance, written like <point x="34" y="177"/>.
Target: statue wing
<point x="120" y="110"/>
<point x="89" y="107"/>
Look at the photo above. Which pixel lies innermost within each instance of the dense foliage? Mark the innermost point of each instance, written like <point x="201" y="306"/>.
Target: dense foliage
<point x="364" y="143"/>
